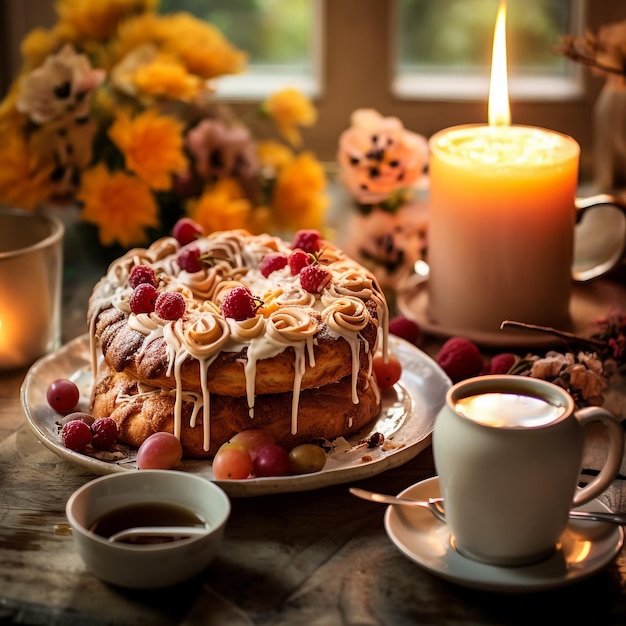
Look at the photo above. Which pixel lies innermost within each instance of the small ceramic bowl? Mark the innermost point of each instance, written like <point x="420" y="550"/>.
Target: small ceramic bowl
<point x="154" y="565"/>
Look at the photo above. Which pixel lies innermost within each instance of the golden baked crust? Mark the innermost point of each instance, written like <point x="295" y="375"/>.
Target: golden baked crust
<point x="324" y="413"/>
<point x="122" y="350"/>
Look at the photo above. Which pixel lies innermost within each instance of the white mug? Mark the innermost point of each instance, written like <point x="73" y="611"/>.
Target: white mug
<point x="508" y="451"/>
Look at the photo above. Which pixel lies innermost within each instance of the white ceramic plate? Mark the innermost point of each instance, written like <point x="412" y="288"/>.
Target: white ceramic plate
<point x="406" y="421"/>
<point x="585" y="548"/>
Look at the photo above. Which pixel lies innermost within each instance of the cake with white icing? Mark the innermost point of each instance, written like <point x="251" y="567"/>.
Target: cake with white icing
<point x="298" y="364"/>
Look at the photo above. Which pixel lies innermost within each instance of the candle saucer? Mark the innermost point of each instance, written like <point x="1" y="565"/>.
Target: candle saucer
<point x="590" y="301"/>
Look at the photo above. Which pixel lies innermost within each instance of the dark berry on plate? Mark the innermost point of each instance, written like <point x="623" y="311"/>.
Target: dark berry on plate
<point x="143" y="299"/>
<point x="502" y="363"/>
<point x="189" y="260"/>
<point x="272" y="263"/>
<point x="459" y="358"/>
<point x="169" y="305"/>
<point x="405" y="328"/>
<point x="104" y="433"/>
<point x="186" y="230"/>
<point x="62" y="395"/>
<point x="76" y="435"/>
<point x="298" y="259"/>
<point x="239" y="304"/>
<point x="314" y="278"/>
<point x="307" y="240"/>
<point x="142" y="274"/>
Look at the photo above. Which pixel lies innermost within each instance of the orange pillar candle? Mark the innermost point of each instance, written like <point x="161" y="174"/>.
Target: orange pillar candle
<point x="502" y="218"/>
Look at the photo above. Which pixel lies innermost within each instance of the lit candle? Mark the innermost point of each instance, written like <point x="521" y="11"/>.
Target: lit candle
<point x="502" y="218"/>
<point x="31" y="257"/>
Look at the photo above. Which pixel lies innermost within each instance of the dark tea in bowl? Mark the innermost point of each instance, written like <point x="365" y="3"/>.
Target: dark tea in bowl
<point x="508" y="451"/>
<point x="149" y="528"/>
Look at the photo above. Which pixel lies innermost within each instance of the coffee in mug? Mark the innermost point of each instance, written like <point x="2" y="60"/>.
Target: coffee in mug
<point x="508" y="451"/>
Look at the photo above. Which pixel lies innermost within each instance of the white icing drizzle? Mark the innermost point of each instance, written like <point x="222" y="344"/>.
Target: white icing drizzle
<point x="348" y="316"/>
<point x="290" y="317"/>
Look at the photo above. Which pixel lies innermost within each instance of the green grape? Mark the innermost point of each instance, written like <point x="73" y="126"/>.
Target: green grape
<point x="307" y="458"/>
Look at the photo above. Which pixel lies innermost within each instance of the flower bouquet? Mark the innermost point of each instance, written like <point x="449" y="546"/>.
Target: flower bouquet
<point x="381" y="166"/>
<point x="114" y="111"/>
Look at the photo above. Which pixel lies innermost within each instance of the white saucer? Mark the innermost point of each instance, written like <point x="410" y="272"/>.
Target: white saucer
<point x="590" y="301"/>
<point x="585" y="548"/>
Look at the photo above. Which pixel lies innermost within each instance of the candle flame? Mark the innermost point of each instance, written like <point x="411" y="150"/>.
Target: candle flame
<point x="499" y="110"/>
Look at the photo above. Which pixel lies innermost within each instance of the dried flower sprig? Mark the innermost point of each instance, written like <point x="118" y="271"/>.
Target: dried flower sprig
<point x="587" y="364"/>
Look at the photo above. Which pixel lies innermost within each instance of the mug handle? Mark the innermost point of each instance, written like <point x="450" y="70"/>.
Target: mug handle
<point x="615" y="453"/>
<point x="611" y="252"/>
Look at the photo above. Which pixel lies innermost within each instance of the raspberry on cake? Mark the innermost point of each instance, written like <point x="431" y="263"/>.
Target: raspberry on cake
<point x="230" y="346"/>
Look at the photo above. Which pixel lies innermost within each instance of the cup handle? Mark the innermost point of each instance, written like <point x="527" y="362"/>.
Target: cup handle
<point x="598" y="250"/>
<point x="615" y="453"/>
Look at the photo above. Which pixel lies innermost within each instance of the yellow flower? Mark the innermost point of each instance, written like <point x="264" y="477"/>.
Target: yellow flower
<point x="37" y="45"/>
<point x="166" y="77"/>
<point x="273" y="156"/>
<point x="289" y="109"/>
<point x="122" y="206"/>
<point x="25" y="178"/>
<point x="133" y="34"/>
<point x="222" y="207"/>
<point x="298" y="199"/>
<point x="200" y="46"/>
<point x="152" y="145"/>
<point x="99" y="19"/>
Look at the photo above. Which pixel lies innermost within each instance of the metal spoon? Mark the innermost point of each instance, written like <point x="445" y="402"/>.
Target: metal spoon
<point x="174" y="532"/>
<point x="435" y="506"/>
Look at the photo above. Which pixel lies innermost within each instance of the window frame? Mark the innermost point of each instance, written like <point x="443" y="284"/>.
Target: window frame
<point x="355" y="70"/>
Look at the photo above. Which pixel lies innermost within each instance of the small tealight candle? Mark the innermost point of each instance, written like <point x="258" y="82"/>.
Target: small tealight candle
<point x="31" y="259"/>
<point x="502" y="219"/>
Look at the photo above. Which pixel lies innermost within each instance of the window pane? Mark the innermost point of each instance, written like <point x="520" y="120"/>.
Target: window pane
<point x="454" y="37"/>
<point x="277" y="35"/>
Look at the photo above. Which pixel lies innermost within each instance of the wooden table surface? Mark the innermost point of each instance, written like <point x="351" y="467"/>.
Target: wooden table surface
<point x="315" y="558"/>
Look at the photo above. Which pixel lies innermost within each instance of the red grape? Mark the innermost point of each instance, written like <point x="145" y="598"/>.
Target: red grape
<point x="271" y="460"/>
<point x="232" y="462"/>
<point x="387" y="374"/>
<point x="62" y="395"/>
<point x="160" y="451"/>
<point x="252" y="439"/>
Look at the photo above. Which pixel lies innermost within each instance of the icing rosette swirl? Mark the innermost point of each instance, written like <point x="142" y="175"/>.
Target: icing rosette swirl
<point x="248" y="329"/>
<point x="296" y="296"/>
<point x="202" y="284"/>
<point x="291" y="324"/>
<point x="346" y="314"/>
<point x="145" y="323"/>
<point x="204" y="336"/>
<point x="162" y="248"/>
<point x="227" y="246"/>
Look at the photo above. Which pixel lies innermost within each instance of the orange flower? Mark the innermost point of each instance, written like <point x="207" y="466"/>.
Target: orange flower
<point x="289" y="109"/>
<point x="25" y="179"/>
<point x="222" y="207"/>
<point x="152" y="145"/>
<point x="166" y="77"/>
<point x="99" y="19"/>
<point x="122" y="206"/>
<point x="298" y="199"/>
<point x="273" y="156"/>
